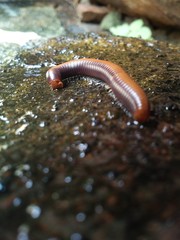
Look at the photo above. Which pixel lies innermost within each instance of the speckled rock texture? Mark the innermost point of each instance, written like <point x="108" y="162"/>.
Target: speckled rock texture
<point x="73" y="164"/>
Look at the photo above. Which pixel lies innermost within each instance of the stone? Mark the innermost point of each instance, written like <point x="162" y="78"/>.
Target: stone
<point x="91" y="13"/>
<point x="161" y="12"/>
<point x="72" y="158"/>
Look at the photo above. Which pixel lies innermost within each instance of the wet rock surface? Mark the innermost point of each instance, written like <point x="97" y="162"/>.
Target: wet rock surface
<point x="73" y="164"/>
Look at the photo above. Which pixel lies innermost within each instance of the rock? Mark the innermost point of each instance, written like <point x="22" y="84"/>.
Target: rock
<point x="41" y="20"/>
<point x="91" y="13"/>
<point x="163" y="12"/>
<point x="17" y="37"/>
<point x="73" y="165"/>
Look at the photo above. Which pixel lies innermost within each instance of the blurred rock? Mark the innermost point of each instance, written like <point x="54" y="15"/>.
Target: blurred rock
<point x="161" y="12"/>
<point x="91" y="13"/>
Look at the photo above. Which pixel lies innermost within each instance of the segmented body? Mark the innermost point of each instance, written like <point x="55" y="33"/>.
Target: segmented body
<point x="129" y="93"/>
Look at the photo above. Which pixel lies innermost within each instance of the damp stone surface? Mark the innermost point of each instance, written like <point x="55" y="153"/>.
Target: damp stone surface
<point x="73" y="164"/>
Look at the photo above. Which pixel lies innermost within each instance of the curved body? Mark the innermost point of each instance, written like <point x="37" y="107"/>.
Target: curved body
<point x="123" y="86"/>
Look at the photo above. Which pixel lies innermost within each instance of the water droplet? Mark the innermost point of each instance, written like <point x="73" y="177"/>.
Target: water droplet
<point x="42" y="124"/>
<point x="88" y="186"/>
<point x="17" y="202"/>
<point x="128" y="123"/>
<point x="82" y="146"/>
<point x="93" y="121"/>
<point x="5" y="168"/>
<point x="135" y="122"/>
<point x="26" y="167"/>
<point x="109" y="115"/>
<point x="46" y="170"/>
<point x="23" y="233"/>
<point x="68" y="179"/>
<point x="54" y="107"/>
<point x="18" y="173"/>
<point x="21" y="129"/>
<point x="150" y="44"/>
<point x="1" y="102"/>
<point x="76" y="131"/>
<point x="33" y="210"/>
<point x="29" y="184"/>
<point x="82" y="155"/>
<point x="4" y="119"/>
<point x="23" y="117"/>
<point x="80" y="217"/>
<point x="63" y="51"/>
<point x="110" y="175"/>
<point x="76" y="236"/>
<point x="20" y="169"/>
<point x="84" y="110"/>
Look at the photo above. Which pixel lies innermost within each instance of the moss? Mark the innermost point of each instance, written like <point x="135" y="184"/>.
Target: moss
<point x="116" y="169"/>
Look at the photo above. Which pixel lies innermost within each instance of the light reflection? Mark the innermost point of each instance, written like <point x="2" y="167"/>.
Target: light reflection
<point x="93" y="123"/>
<point x="46" y="170"/>
<point x="3" y="146"/>
<point x="82" y="146"/>
<point x="23" y="232"/>
<point x="29" y="184"/>
<point x="111" y="175"/>
<point x="80" y="217"/>
<point x="17" y="202"/>
<point x="1" y="102"/>
<point x="135" y="122"/>
<point x="4" y="119"/>
<point x="17" y="37"/>
<point x="5" y="168"/>
<point x="34" y="211"/>
<point x="54" y="107"/>
<point x="42" y="124"/>
<point x="32" y="70"/>
<point x="76" y="131"/>
<point x="21" y="128"/>
<point x="88" y="186"/>
<point x="84" y="110"/>
<point x="23" y="117"/>
<point x="82" y="155"/>
<point x="76" y="236"/>
<point x="20" y="170"/>
<point x="64" y="50"/>
<point x="68" y="179"/>
<point x="110" y="115"/>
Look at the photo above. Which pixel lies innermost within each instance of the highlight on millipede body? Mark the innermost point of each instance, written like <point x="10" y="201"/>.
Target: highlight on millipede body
<point x="127" y="91"/>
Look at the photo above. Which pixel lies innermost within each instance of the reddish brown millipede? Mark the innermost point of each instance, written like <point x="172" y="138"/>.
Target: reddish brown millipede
<point x="123" y="86"/>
